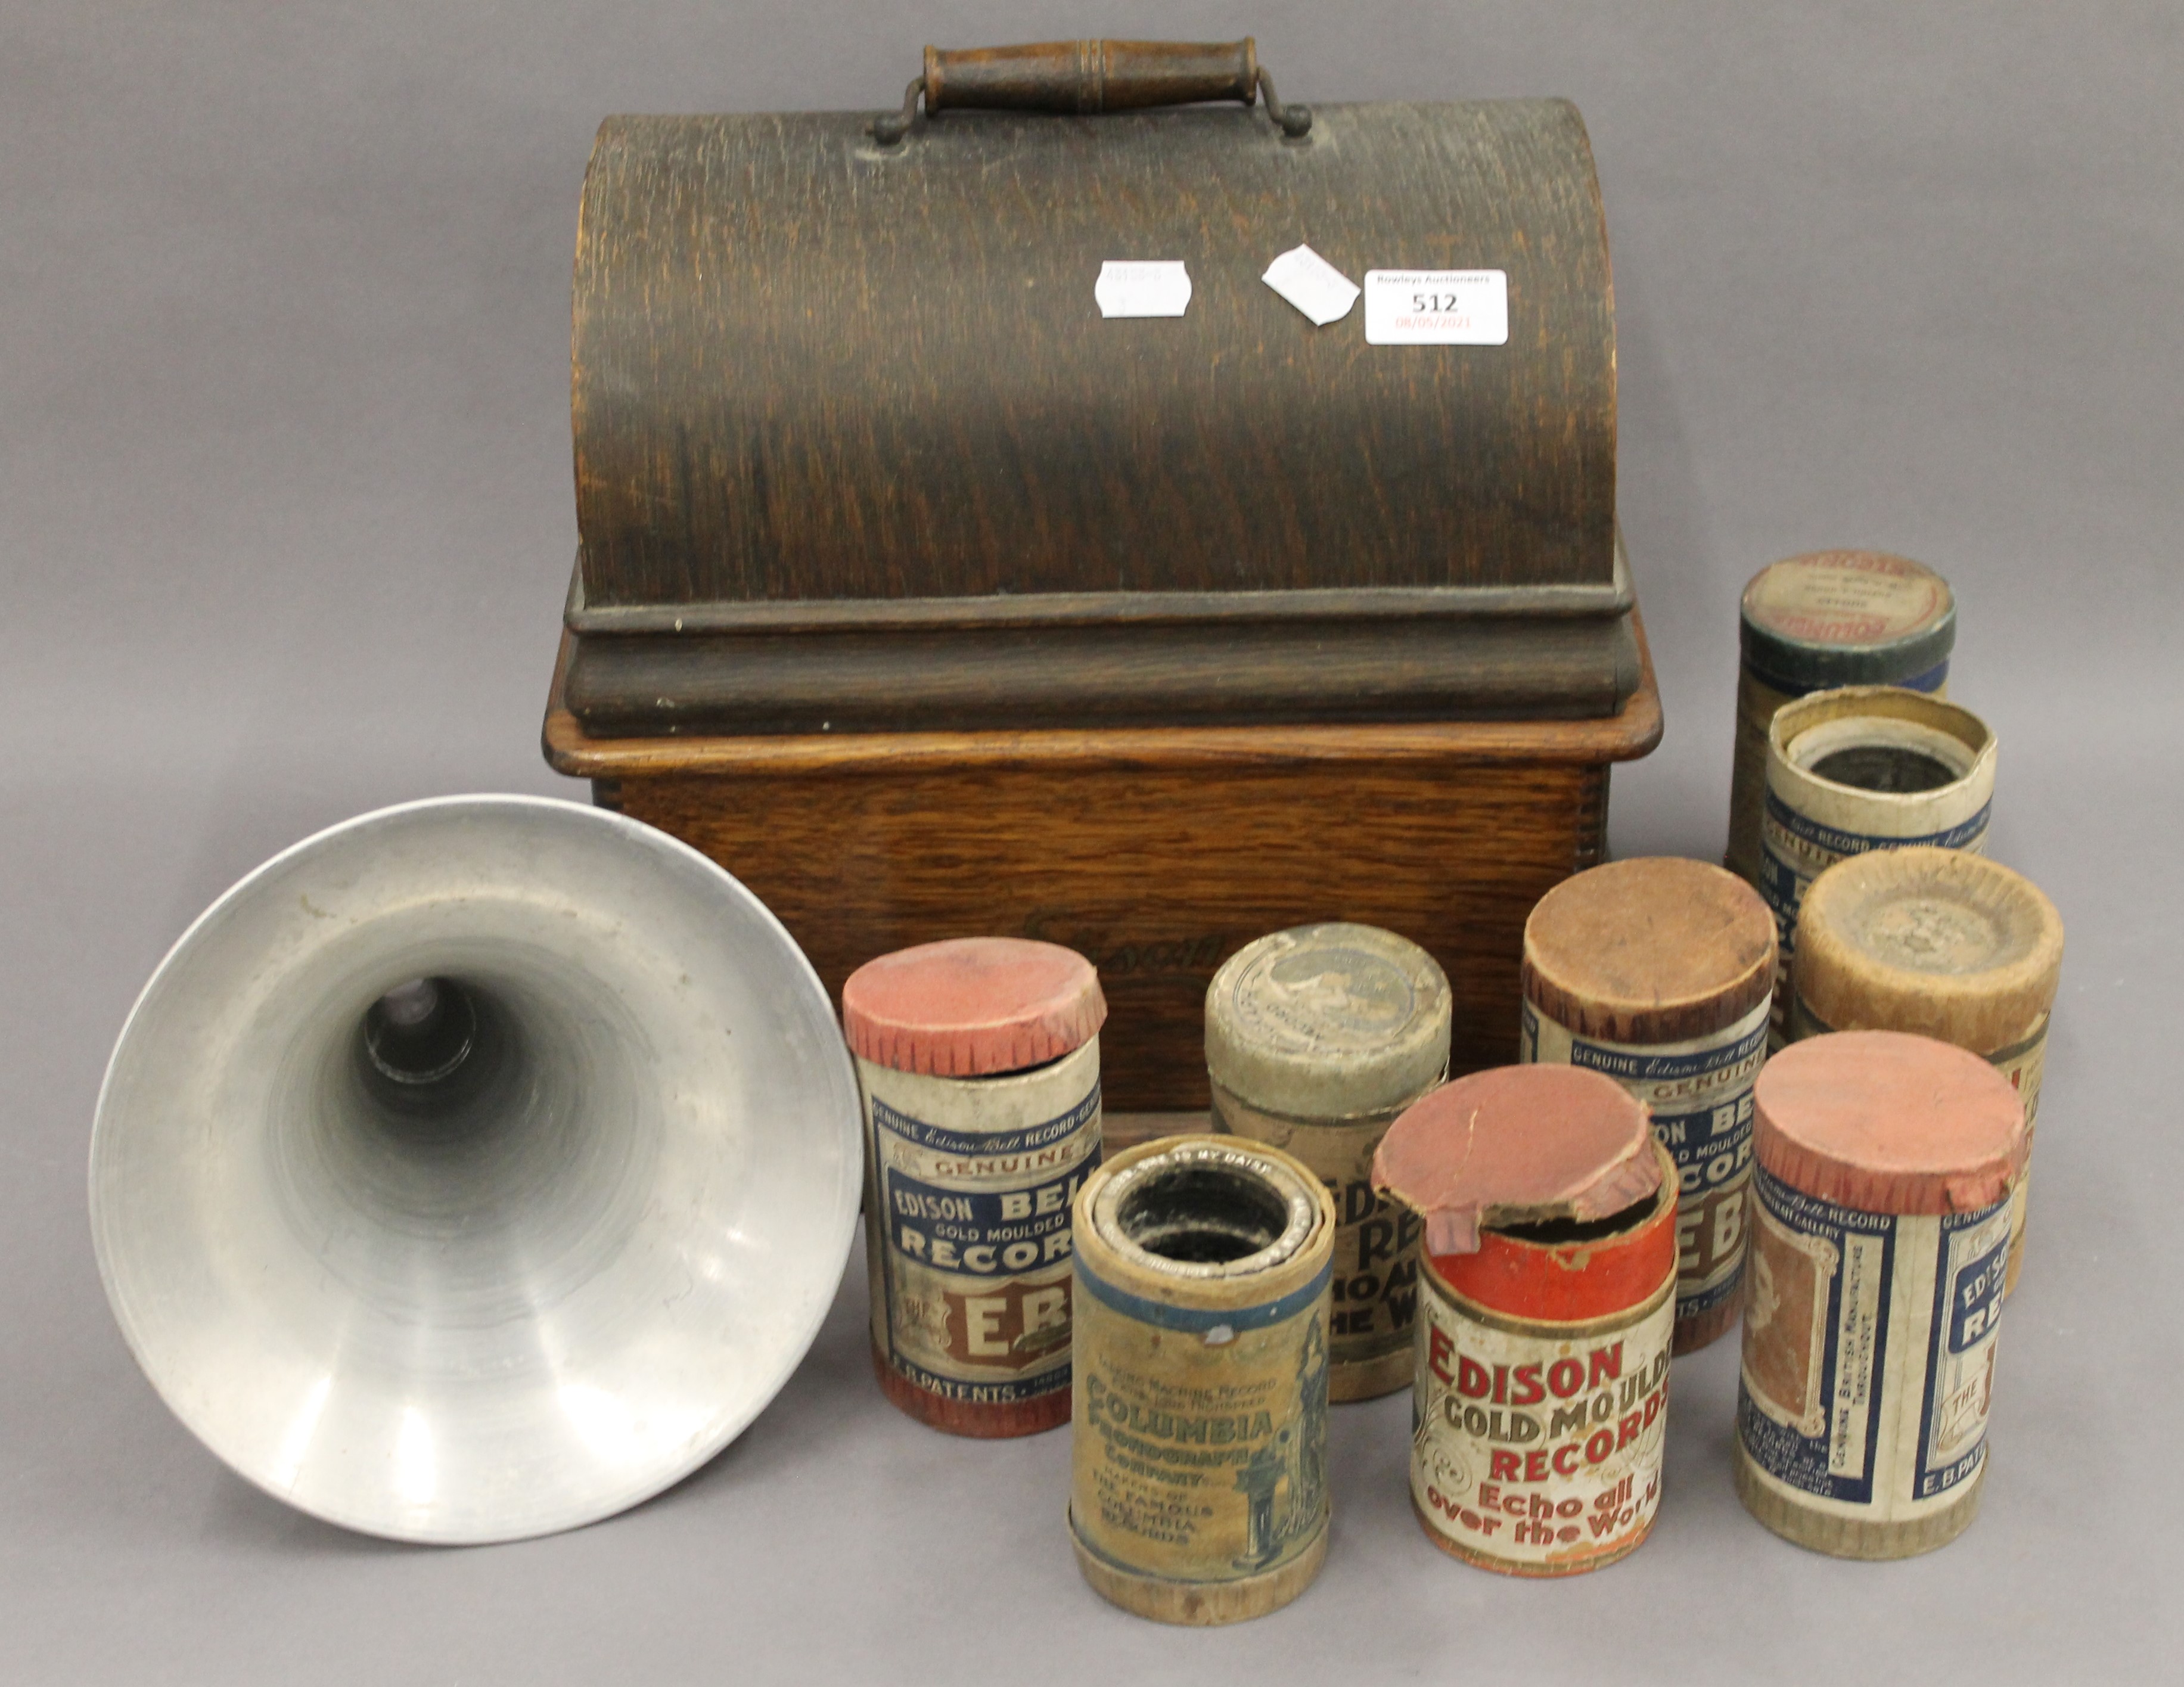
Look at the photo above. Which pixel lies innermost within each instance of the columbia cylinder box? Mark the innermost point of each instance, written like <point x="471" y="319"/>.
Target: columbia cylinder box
<point x="972" y="541"/>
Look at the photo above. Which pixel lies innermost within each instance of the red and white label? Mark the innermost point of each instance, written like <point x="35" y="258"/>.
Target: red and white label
<point x="1436" y="307"/>
<point x="1536" y="1453"/>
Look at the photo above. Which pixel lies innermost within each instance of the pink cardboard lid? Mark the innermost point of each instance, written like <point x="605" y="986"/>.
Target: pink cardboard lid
<point x="1885" y="1122"/>
<point x="972" y="1005"/>
<point x="1514" y="1144"/>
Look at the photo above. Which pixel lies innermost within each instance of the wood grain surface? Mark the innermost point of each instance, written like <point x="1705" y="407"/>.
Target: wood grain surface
<point x="1156" y="852"/>
<point x="810" y="367"/>
<point x="1089" y="75"/>
<point x="1631" y="732"/>
<point x="1213" y="670"/>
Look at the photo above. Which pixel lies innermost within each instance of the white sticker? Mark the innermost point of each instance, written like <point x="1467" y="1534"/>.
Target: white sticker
<point x="1436" y="308"/>
<point x="1142" y="289"/>
<point x="1313" y="284"/>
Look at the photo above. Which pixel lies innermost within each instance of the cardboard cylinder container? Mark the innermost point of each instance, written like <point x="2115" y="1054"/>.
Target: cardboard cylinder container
<point x="1879" y="1242"/>
<point x="1658" y="972"/>
<point x="1316" y="1039"/>
<point x="1198" y="1454"/>
<point x="1542" y="1392"/>
<point x="1859" y="769"/>
<point x="979" y="1061"/>
<point x="1812" y="623"/>
<point x="1945" y="944"/>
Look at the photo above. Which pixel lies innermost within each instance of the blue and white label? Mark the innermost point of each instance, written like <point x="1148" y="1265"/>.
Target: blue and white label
<point x="983" y="1231"/>
<point x="1699" y="1094"/>
<point x="1967" y="1315"/>
<point x="1869" y="1351"/>
<point x="1819" y="839"/>
<point x="967" y="1225"/>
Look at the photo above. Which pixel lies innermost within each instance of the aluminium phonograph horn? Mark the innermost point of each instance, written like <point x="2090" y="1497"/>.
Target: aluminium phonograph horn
<point x="476" y="1169"/>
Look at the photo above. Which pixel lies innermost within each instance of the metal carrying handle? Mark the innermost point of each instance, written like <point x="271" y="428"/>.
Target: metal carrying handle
<point x="1081" y="77"/>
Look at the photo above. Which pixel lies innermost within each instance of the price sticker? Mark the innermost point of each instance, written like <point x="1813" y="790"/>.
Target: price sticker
<point x="1312" y="284"/>
<point x="1142" y="288"/>
<point x="1437" y="307"/>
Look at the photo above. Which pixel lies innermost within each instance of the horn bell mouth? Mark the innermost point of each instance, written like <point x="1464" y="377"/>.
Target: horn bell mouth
<point x="476" y="1169"/>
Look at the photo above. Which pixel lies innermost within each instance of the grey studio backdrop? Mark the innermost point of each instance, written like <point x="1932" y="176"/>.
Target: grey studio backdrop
<point x="286" y="516"/>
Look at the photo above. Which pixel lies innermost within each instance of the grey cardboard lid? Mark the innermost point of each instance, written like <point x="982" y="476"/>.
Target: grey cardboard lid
<point x="1836" y="618"/>
<point x="1327" y="1021"/>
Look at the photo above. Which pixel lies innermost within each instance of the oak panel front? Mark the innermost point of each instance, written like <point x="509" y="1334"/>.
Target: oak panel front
<point x="1155" y="872"/>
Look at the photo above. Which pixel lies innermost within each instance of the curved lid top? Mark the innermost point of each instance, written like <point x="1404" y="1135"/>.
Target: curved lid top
<point x="1656" y="949"/>
<point x="1514" y="1144"/>
<point x="1832" y="618"/>
<point x="968" y="1006"/>
<point x="792" y="472"/>
<point x="1327" y="1021"/>
<point x="1936" y="941"/>
<point x="1885" y="1122"/>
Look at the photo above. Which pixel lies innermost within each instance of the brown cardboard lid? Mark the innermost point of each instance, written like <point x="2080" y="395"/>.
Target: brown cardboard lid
<point x="1327" y="1021"/>
<point x="1515" y="1144"/>
<point x="1948" y="945"/>
<point x="972" y="1005"/>
<point x="1887" y="1121"/>
<point x="1656" y="949"/>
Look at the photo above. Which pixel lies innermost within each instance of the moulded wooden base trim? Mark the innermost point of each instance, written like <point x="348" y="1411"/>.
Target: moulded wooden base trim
<point x="1156" y="876"/>
<point x="1201" y="1605"/>
<point x="1841" y="1537"/>
<point x="967" y="1417"/>
<point x="1622" y="737"/>
<point x="1503" y="1567"/>
<point x="1219" y="671"/>
<point x="1157" y="854"/>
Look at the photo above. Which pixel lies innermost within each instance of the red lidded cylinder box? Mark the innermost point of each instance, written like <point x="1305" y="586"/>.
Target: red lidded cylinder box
<point x="978" y="1062"/>
<point x="1541" y="1391"/>
<point x="1878" y="1250"/>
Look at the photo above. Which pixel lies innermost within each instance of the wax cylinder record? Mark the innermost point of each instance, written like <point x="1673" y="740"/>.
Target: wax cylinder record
<point x="1943" y="943"/>
<point x="1316" y="1038"/>
<point x="979" y="1061"/>
<point x="1541" y="1391"/>
<point x="1658" y="972"/>
<point x="1198" y="1455"/>
<point x="1880" y="1241"/>
<point x="1812" y="623"/>
<point x="1859" y="769"/>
